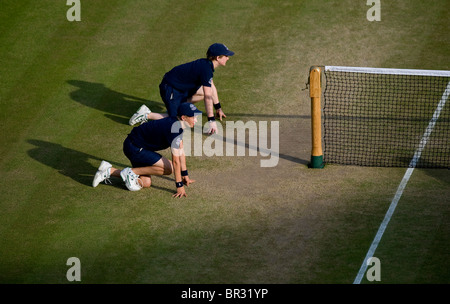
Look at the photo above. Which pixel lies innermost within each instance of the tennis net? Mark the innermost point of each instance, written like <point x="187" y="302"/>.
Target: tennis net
<point x="386" y="117"/>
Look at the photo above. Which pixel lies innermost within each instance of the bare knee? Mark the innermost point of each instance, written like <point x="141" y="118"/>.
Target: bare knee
<point x="168" y="167"/>
<point x="146" y="181"/>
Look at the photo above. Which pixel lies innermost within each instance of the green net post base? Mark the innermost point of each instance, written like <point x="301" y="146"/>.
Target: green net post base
<point x="317" y="162"/>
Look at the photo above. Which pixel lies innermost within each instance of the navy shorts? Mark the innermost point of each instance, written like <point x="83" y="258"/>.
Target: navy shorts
<point x="139" y="157"/>
<point x="173" y="98"/>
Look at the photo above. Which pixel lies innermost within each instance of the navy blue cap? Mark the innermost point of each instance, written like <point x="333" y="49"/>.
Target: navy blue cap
<point x="188" y="109"/>
<point x="218" y="49"/>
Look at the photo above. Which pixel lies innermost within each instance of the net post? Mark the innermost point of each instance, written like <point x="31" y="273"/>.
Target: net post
<point x="315" y="93"/>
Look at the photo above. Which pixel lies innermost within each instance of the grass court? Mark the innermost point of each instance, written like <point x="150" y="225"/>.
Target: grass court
<point x="67" y="91"/>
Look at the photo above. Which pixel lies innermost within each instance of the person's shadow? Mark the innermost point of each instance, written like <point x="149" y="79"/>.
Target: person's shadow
<point x="118" y="106"/>
<point x="71" y="163"/>
<point x="79" y="166"/>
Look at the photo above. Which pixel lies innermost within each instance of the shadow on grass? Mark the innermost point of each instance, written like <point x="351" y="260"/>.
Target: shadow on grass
<point x="257" y="149"/>
<point x="68" y="162"/>
<point x="270" y="116"/>
<point x="118" y="106"/>
<point x="75" y="164"/>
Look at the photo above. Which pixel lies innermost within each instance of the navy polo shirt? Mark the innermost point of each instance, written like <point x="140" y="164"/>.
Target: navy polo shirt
<point x="191" y="76"/>
<point x="156" y="135"/>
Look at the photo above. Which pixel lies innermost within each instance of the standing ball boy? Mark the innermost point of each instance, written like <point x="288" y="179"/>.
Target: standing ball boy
<point x="190" y="82"/>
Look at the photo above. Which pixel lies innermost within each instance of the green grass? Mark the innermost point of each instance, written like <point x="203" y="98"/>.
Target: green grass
<point x="68" y="89"/>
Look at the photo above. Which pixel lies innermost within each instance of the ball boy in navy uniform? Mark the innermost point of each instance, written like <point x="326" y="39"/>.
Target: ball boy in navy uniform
<point x="190" y="82"/>
<point x="140" y="148"/>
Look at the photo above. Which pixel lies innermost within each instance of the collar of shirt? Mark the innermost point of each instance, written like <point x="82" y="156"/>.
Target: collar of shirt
<point x="211" y="64"/>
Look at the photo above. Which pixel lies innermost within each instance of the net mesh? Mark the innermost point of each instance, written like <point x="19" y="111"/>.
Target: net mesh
<point x="382" y="120"/>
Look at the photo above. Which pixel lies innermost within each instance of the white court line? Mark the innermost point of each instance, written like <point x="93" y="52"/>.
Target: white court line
<point x="402" y="185"/>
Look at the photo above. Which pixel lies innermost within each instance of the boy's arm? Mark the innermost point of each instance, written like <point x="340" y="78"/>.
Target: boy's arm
<point x="178" y="161"/>
<point x="216" y="102"/>
<point x="209" y="102"/>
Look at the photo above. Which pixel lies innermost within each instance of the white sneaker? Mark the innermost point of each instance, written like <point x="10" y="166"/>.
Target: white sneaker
<point x="132" y="180"/>
<point x="140" y="116"/>
<point x="103" y="174"/>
